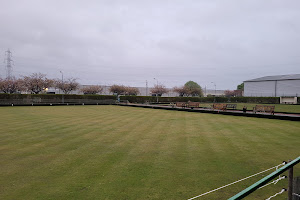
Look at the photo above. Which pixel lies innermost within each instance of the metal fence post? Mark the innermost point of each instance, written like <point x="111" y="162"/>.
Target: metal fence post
<point x="290" y="188"/>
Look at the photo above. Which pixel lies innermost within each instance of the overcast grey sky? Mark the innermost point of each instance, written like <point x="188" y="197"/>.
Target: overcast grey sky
<point x="131" y="41"/>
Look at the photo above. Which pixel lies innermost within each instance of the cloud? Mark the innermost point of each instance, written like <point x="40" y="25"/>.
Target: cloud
<point x="114" y="41"/>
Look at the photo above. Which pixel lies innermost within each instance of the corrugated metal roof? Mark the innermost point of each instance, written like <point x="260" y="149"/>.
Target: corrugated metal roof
<point x="276" y="78"/>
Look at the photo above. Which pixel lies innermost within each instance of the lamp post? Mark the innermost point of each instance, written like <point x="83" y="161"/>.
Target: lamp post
<point x="62" y="76"/>
<point x="156" y="89"/>
<point x="146" y="88"/>
<point x="215" y="91"/>
<point x="62" y="80"/>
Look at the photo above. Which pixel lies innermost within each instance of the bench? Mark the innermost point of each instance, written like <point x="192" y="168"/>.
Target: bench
<point x="193" y="105"/>
<point x="224" y="106"/>
<point x="231" y="106"/>
<point x="219" y="106"/>
<point x="265" y="109"/>
<point x="181" y="104"/>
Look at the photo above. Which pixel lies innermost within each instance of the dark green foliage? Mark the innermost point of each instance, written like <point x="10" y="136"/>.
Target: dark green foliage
<point x="193" y="88"/>
<point x="240" y="86"/>
<point x="143" y="99"/>
<point x="272" y="100"/>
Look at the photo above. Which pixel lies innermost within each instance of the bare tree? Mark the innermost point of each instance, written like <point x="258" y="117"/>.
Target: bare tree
<point x="233" y="93"/>
<point x="131" y="91"/>
<point x="158" y="90"/>
<point x="93" y="89"/>
<point x="181" y="91"/>
<point x="67" y="86"/>
<point x="123" y="90"/>
<point x="117" y="89"/>
<point x="37" y="82"/>
<point x="11" y="85"/>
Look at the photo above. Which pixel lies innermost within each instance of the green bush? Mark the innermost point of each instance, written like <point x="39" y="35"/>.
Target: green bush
<point x="271" y="100"/>
<point x="143" y="99"/>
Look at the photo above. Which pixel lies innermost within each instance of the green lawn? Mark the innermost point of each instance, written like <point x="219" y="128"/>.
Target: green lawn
<point x="114" y="152"/>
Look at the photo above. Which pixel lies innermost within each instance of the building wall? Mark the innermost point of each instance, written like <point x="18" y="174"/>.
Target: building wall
<point x="288" y="88"/>
<point x="259" y="89"/>
<point x="272" y="88"/>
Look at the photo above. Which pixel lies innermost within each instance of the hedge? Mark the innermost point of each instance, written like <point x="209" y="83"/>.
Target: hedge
<point x="143" y="99"/>
<point x="56" y="96"/>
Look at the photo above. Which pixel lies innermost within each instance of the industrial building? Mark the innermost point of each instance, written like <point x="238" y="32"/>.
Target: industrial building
<point x="273" y="86"/>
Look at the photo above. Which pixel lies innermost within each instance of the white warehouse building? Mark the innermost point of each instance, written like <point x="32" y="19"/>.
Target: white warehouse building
<point x="273" y="86"/>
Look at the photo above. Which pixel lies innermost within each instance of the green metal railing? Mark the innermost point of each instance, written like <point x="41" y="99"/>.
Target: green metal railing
<point x="268" y="178"/>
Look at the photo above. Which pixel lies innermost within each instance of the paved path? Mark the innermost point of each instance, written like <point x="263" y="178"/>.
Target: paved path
<point x="282" y="116"/>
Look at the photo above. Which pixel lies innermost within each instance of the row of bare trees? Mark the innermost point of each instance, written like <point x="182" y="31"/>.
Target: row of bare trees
<point x="123" y="90"/>
<point x="36" y="83"/>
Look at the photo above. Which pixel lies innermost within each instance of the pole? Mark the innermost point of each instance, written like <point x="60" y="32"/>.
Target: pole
<point x="62" y="80"/>
<point x="215" y="90"/>
<point x="156" y="90"/>
<point x="276" y="89"/>
<point x="146" y="88"/>
<point x="290" y="188"/>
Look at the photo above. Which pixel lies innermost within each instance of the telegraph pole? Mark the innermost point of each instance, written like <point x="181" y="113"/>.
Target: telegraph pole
<point x="215" y="91"/>
<point x="146" y="88"/>
<point x="156" y="89"/>
<point x="62" y="79"/>
<point x="8" y="60"/>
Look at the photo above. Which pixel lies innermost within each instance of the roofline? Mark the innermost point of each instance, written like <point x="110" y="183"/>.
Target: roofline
<point x="273" y="80"/>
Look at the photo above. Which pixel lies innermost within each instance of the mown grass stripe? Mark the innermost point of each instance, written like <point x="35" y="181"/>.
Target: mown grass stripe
<point x="112" y="152"/>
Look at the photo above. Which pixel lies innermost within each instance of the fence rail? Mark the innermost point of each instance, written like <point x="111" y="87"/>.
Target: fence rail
<point x="265" y="180"/>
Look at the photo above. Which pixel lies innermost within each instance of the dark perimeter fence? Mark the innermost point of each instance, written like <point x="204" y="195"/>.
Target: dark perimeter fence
<point x="24" y="99"/>
<point x="28" y="99"/>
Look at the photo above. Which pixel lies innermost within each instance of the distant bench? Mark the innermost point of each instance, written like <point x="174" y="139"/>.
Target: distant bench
<point x="188" y="104"/>
<point x="219" y="106"/>
<point x="224" y="106"/>
<point x="193" y="105"/>
<point x="231" y="106"/>
<point x="265" y="109"/>
<point x="181" y="104"/>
